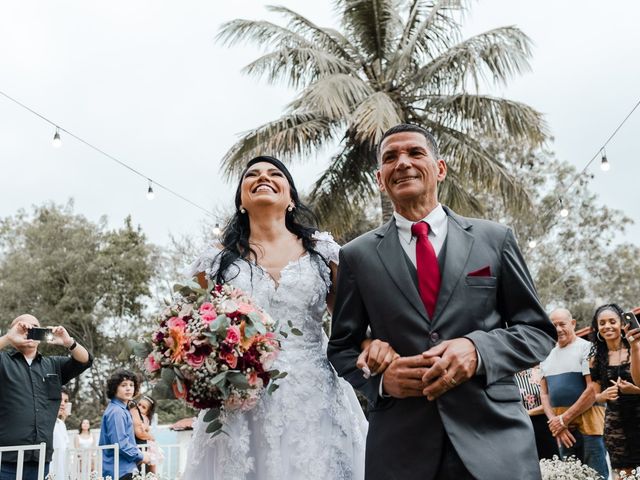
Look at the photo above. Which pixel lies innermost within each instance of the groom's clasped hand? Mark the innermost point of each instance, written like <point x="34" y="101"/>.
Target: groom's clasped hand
<point x="430" y="374"/>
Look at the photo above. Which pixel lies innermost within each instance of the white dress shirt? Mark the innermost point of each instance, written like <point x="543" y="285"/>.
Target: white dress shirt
<point x="438" y="227"/>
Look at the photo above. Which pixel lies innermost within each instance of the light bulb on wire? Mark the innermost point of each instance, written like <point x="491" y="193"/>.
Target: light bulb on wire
<point x="57" y="141"/>
<point x="564" y="211"/>
<point x="533" y="243"/>
<point x="604" y="163"/>
<point x="216" y="229"/>
<point x="150" y="194"/>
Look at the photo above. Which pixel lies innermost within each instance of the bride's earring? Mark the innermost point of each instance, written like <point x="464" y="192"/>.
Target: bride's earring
<point x="290" y="207"/>
<point x="242" y="210"/>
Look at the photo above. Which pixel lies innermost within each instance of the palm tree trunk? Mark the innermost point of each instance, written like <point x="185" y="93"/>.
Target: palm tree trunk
<point x="387" y="207"/>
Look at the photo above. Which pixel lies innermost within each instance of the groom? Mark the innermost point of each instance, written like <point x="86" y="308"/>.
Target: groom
<point x="453" y="296"/>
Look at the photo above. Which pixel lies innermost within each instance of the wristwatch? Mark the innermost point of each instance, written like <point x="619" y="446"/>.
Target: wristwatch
<point x="73" y="345"/>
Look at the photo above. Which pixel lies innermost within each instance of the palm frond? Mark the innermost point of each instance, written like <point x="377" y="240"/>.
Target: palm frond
<point x="454" y="193"/>
<point x="477" y="167"/>
<point x="371" y="24"/>
<point x="495" y="55"/>
<point x="373" y="117"/>
<point x="297" y="66"/>
<point x="429" y="30"/>
<point x="334" y="96"/>
<point x="343" y="190"/>
<point x="324" y="38"/>
<point x="488" y="117"/>
<point x="294" y="135"/>
<point x="260" y="32"/>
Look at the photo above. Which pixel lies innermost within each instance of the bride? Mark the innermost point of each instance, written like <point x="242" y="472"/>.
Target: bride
<point x="312" y="427"/>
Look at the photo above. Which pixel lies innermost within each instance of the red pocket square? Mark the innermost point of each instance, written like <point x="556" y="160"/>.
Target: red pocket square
<point x="482" y="272"/>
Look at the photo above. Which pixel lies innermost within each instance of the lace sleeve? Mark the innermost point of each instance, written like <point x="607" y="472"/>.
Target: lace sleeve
<point x="326" y="246"/>
<point x="207" y="262"/>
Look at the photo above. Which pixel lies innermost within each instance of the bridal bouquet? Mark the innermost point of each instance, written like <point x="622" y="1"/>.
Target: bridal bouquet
<point x="216" y="349"/>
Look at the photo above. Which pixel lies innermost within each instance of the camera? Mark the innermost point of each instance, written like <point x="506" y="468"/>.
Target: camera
<point x="40" y="334"/>
<point x="631" y="319"/>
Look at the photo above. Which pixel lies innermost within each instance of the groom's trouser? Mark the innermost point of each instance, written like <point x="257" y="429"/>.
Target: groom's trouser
<point x="450" y="464"/>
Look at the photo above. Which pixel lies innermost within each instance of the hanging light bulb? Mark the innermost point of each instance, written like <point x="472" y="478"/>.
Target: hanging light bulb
<point x="532" y="243"/>
<point x="56" y="142"/>
<point x="564" y="212"/>
<point x="216" y="229"/>
<point x="150" y="194"/>
<point x="604" y="163"/>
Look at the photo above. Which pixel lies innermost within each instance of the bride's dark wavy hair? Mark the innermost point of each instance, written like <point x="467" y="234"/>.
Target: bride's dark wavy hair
<point x="599" y="350"/>
<point x="235" y="237"/>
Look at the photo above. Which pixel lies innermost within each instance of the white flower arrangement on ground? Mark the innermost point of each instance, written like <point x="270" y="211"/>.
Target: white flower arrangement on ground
<point x="569" y="469"/>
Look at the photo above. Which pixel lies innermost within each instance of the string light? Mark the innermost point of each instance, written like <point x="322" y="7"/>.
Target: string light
<point x="533" y="243"/>
<point x="150" y="194"/>
<point x="604" y="163"/>
<point x="216" y="229"/>
<point x="57" y="141"/>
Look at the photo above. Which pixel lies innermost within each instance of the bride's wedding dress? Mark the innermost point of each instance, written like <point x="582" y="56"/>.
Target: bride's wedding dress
<point x="312" y="427"/>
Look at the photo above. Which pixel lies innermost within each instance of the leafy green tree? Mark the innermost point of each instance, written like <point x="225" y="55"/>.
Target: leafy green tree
<point x="391" y="61"/>
<point x="68" y="271"/>
<point x="575" y="260"/>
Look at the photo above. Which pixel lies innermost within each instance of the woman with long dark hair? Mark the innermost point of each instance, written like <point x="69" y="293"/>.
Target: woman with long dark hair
<point x="610" y="371"/>
<point x="312" y="427"/>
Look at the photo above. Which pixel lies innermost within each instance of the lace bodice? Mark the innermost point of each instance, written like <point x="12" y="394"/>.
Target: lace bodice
<point x="312" y="426"/>
<point x="299" y="296"/>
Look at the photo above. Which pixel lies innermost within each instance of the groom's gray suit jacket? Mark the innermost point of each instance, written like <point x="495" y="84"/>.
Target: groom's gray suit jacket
<point x="498" y="311"/>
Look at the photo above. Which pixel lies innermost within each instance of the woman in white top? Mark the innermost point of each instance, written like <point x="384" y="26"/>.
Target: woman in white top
<point x="85" y="443"/>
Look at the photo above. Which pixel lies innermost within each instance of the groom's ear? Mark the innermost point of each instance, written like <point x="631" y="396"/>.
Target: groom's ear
<point x="379" y="181"/>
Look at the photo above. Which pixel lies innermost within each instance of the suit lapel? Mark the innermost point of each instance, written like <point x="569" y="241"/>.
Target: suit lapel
<point x="391" y="256"/>
<point x="457" y="250"/>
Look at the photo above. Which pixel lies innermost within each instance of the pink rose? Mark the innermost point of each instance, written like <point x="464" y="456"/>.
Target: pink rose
<point x="245" y="308"/>
<point x="206" y="307"/>
<point x="267" y="359"/>
<point x="151" y="364"/>
<point x="230" y="359"/>
<point x="177" y="323"/>
<point x="249" y="403"/>
<point x="195" y="360"/>
<point x="233" y="335"/>
<point x="254" y="380"/>
<point x="208" y="317"/>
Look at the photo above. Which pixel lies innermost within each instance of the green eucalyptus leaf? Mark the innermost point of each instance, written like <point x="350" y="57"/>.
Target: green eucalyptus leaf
<point x="220" y="378"/>
<point x="212" y="414"/>
<point x="214" y="426"/>
<point x="272" y="388"/>
<point x="296" y="332"/>
<point x="168" y="375"/>
<point x="238" y="379"/>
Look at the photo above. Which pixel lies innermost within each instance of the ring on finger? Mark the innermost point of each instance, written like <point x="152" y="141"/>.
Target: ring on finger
<point x="630" y="338"/>
<point x="453" y="381"/>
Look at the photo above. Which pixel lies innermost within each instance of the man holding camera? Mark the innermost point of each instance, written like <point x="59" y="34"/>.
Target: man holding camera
<point x="30" y="390"/>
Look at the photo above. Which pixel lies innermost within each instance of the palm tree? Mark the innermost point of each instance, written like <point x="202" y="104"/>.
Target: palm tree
<point x="393" y="61"/>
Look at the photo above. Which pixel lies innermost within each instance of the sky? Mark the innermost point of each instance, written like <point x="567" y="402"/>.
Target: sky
<point x="146" y="82"/>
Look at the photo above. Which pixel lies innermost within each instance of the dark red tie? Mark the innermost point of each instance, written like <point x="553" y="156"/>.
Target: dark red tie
<point x="427" y="266"/>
